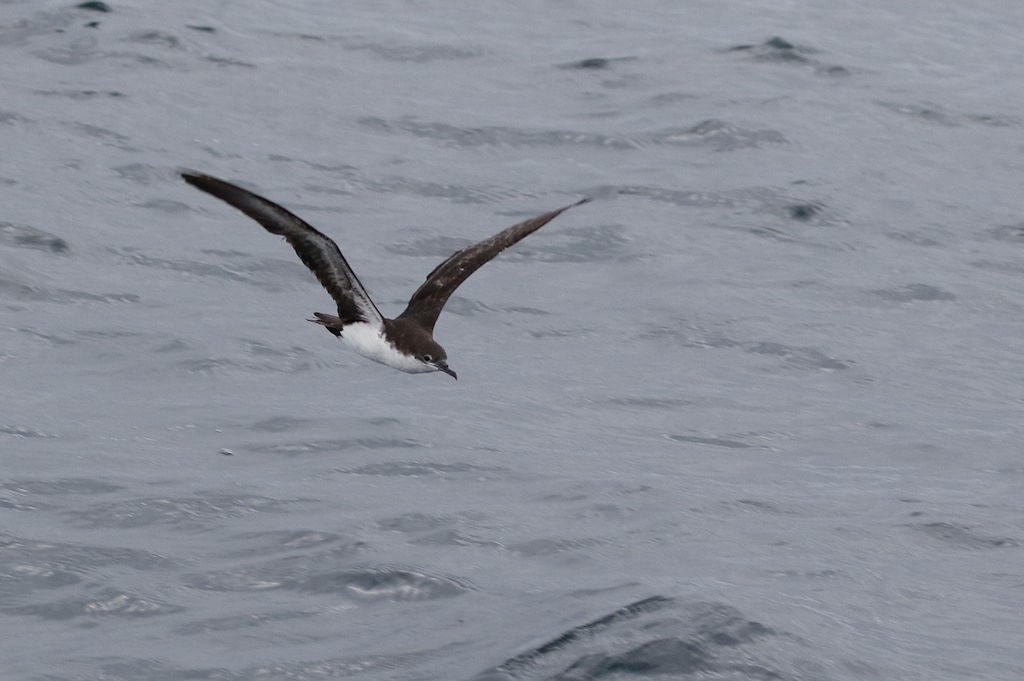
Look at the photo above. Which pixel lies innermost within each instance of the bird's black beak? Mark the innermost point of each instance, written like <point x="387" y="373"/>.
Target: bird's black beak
<point x="443" y="366"/>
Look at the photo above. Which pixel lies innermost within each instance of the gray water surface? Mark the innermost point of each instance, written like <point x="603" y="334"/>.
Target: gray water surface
<point x="752" y="413"/>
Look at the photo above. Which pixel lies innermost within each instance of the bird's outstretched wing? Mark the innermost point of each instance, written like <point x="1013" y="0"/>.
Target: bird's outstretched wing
<point x="429" y="299"/>
<point x="318" y="251"/>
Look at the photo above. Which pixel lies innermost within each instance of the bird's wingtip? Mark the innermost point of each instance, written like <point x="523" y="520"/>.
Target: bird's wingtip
<point x="190" y="176"/>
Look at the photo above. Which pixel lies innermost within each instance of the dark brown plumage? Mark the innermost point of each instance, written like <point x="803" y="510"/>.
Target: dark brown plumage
<point x="316" y="250"/>
<point x="429" y="299"/>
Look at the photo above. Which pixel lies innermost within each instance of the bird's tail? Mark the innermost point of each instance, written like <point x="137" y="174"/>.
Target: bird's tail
<point x="329" y="322"/>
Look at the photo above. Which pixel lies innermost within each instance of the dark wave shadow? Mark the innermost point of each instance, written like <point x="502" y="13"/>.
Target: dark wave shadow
<point x="656" y="637"/>
<point x="781" y="51"/>
<point x="25" y="236"/>
<point x="963" y="537"/>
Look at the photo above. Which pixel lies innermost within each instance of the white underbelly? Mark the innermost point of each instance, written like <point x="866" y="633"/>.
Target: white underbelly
<point x="369" y="342"/>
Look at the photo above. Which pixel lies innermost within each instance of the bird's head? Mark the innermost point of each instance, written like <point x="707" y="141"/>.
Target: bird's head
<point x="434" y="356"/>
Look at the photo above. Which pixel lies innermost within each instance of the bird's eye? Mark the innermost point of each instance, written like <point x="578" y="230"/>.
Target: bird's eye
<point x="428" y="358"/>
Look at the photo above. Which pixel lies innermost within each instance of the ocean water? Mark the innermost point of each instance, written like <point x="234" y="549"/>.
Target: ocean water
<point x="754" y="412"/>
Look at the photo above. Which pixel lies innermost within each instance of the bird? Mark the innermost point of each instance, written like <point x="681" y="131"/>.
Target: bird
<point x="406" y="342"/>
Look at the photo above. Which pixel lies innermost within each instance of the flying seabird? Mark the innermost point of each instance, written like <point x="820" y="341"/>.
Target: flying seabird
<point x="406" y="342"/>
